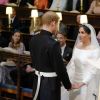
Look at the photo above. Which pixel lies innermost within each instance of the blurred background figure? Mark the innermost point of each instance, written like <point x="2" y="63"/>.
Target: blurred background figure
<point x="3" y="41"/>
<point x="58" y="5"/>
<point x="14" y="21"/>
<point x="74" y="5"/>
<point x="94" y="8"/>
<point x="41" y="4"/>
<point x="13" y="1"/>
<point x="23" y="3"/>
<point x="70" y="5"/>
<point x="3" y="2"/>
<point x="66" y="51"/>
<point x="73" y="29"/>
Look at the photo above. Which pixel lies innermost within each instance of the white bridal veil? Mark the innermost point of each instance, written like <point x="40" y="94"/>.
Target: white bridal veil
<point x="94" y="62"/>
<point x="94" y="41"/>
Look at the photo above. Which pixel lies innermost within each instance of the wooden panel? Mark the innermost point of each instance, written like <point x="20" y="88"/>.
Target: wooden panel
<point x="68" y="18"/>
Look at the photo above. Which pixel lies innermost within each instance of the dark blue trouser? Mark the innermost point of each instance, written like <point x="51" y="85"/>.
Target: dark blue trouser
<point x="49" y="88"/>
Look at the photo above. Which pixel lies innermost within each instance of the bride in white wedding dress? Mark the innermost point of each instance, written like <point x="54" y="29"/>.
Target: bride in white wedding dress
<point x="81" y="74"/>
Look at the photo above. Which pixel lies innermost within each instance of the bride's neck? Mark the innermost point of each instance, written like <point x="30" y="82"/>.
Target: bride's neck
<point x="86" y="44"/>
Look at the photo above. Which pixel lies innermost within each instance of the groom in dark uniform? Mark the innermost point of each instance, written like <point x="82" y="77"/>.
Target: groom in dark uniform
<point x="47" y="61"/>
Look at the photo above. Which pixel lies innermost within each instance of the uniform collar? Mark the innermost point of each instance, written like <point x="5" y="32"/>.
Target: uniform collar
<point x="45" y="32"/>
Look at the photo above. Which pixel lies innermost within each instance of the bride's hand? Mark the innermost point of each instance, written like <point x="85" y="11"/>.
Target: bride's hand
<point x="77" y="85"/>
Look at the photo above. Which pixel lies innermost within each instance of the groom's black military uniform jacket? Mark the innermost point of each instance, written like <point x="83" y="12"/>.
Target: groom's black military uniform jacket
<point x="46" y="57"/>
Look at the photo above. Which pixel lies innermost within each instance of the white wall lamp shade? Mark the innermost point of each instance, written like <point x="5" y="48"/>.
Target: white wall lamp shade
<point x="34" y="13"/>
<point x="60" y="15"/>
<point x="9" y="10"/>
<point x="83" y="19"/>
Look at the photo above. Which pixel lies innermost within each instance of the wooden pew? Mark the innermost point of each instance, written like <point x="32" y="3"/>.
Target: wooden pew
<point x="18" y="91"/>
<point x="7" y="89"/>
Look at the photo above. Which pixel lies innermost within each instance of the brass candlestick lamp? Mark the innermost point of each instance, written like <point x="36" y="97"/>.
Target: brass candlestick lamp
<point x="60" y="19"/>
<point x="34" y="15"/>
<point x="9" y="12"/>
<point x="81" y="6"/>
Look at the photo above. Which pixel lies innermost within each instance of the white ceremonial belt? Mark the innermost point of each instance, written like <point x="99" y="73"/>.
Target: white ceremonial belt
<point x="45" y="74"/>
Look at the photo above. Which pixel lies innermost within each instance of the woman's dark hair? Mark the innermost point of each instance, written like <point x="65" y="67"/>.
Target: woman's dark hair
<point x="86" y="29"/>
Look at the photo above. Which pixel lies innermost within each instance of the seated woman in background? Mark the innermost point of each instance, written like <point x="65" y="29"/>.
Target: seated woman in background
<point x="15" y="46"/>
<point x="26" y="78"/>
<point x="16" y="43"/>
<point x="94" y="8"/>
<point x="8" y="69"/>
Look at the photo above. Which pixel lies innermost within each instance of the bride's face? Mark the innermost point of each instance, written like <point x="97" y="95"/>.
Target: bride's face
<point x="83" y="35"/>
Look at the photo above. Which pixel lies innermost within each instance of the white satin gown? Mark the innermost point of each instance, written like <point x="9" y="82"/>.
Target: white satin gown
<point x="80" y="71"/>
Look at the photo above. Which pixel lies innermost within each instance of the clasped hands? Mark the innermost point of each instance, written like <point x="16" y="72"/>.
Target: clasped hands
<point x="74" y="85"/>
<point x="77" y="85"/>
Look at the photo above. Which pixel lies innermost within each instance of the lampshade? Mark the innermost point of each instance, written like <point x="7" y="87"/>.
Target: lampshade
<point x="8" y="10"/>
<point x="34" y="13"/>
<point x="60" y="15"/>
<point x="83" y="19"/>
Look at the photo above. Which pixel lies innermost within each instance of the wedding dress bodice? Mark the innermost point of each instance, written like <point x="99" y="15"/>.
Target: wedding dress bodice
<point x="79" y="70"/>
